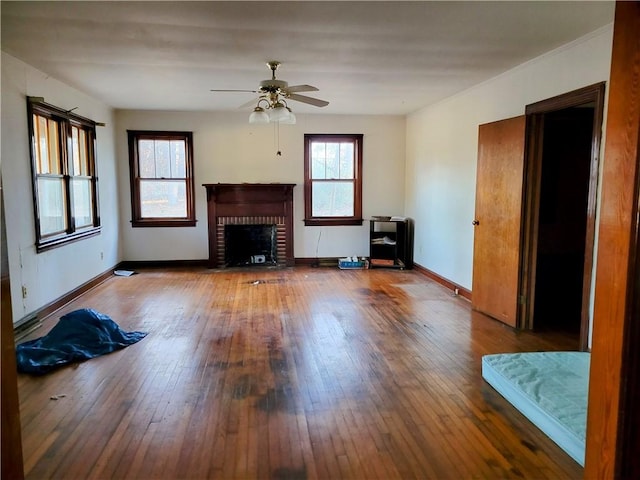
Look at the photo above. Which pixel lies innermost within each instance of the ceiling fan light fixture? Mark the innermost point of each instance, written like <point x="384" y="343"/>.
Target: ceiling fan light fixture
<point x="290" y="119"/>
<point x="278" y="112"/>
<point x="258" y="116"/>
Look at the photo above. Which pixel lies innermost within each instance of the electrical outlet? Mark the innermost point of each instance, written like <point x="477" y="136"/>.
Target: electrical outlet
<point x="101" y="255"/>
<point x="24" y="291"/>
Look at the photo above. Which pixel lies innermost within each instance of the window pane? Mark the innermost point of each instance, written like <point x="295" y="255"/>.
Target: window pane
<point x="332" y="199"/>
<point x="163" y="159"/>
<point x="82" y="207"/>
<point x="42" y="144"/>
<point x="333" y="160"/>
<point x="318" y="168"/>
<point x="47" y="154"/>
<point x="54" y="147"/>
<point x="75" y="152"/>
<point x="146" y="159"/>
<point x="178" y="159"/>
<point x="79" y="160"/>
<point x="84" y="155"/>
<point x="163" y="199"/>
<point x="318" y="156"/>
<point x="346" y="160"/>
<point x="51" y="205"/>
<point x="318" y="150"/>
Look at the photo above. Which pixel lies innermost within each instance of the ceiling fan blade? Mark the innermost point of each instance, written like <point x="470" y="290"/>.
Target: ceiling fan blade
<point x="250" y="103"/>
<point x="311" y="101"/>
<point x="301" y="88"/>
<point x="247" y="91"/>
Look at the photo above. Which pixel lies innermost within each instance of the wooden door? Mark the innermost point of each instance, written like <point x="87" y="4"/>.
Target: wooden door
<point x="498" y="219"/>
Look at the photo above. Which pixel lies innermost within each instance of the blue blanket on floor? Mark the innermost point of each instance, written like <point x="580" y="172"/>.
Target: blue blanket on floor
<point x="78" y="335"/>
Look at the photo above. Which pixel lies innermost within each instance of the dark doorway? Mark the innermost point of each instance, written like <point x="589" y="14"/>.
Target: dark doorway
<point x="562" y="165"/>
<point x="564" y="191"/>
<point x="250" y="245"/>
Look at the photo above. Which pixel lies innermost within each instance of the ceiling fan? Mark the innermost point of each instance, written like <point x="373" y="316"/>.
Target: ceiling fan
<point x="273" y="95"/>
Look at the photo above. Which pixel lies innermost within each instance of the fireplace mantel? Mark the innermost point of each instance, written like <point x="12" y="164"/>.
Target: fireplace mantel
<point x="232" y="203"/>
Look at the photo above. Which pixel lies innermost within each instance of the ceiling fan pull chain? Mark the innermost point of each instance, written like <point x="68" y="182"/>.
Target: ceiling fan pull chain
<point x="277" y="127"/>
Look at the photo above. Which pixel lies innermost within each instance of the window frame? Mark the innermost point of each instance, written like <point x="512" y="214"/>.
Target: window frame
<point x="66" y="121"/>
<point x="137" y="220"/>
<point x="356" y="218"/>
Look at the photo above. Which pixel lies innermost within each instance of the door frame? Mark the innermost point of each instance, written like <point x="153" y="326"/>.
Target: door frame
<point x="535" y="114"/>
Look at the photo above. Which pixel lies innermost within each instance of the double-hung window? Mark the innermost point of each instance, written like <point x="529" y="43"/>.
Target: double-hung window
<point x="333" y="179"/>
<point x="162" y="184"/>
<point x="64" y="175"/>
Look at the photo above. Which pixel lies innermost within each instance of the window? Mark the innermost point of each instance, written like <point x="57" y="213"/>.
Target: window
<point x="64" y="175"/>
<point x="333" y="179"/>
<point x="162" y="188"/>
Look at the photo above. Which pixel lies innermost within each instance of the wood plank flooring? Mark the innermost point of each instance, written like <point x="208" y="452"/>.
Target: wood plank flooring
<point x="291" y="373"/>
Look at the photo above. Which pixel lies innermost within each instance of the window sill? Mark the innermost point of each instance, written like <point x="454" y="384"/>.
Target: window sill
<point x="329" y="222"/>
<point x="165" y="222"/>
<point x="49" y="244"/>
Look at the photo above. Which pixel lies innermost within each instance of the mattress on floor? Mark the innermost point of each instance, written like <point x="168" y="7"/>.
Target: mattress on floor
<point x="549" y="388"/>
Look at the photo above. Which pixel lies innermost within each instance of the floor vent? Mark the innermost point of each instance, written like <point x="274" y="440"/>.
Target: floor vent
<point x="25" y="327"/>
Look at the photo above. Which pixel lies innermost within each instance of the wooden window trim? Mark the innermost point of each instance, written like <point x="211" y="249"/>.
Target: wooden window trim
<point x="136" y="208"/>
<point x="356" y="219"/>
<point x="66" y="119"/>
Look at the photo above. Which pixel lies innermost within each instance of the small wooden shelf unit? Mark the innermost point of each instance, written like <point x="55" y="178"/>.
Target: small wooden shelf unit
<point x="391" y="243"/>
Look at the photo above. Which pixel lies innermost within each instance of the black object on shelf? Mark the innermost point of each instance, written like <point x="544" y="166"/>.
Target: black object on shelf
<point x="391" y="242"/>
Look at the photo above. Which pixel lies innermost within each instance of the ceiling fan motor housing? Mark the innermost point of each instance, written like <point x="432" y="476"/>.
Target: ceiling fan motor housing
<point x="273" y="85"/>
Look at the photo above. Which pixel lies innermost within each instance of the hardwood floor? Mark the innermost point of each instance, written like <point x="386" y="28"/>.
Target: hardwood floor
<point x="290" y="373"/>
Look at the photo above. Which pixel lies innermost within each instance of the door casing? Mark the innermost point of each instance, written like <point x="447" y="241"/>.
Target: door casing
<point x="592" y="94"/>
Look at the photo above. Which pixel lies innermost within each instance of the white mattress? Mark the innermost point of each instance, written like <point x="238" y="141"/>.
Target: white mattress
<point x="549" y="388"/>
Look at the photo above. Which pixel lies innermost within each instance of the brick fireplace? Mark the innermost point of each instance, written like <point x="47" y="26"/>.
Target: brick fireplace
<point x="250" y="204"/>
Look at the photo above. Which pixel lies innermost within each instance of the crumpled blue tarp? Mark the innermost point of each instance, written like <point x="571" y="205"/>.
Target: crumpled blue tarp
<point x="78" y="335"/>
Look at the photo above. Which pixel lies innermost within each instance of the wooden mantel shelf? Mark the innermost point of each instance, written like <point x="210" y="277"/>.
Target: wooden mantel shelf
<point x="226" y="201"/>
<point x="248" y="187"/>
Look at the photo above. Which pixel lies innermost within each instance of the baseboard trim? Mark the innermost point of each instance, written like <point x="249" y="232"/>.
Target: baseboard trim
<point x="133" y="264"/>
<point x="461" y="291"/>
<point x="317" y="262"/>
<point x="26" y="325"/>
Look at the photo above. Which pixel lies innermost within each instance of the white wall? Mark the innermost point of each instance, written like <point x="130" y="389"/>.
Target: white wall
<point x="51" y="274"/>
<point x="227" y="149"/>
<point x="442" y="147"/>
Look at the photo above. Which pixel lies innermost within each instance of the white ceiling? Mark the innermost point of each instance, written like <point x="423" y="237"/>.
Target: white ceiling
<point x="384" y="57"/>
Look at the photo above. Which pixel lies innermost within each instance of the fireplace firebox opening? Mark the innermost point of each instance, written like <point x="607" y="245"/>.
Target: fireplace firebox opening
<point x="250" y="245"/>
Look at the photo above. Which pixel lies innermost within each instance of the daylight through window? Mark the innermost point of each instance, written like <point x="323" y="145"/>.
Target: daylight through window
<point x="162" y="186"/>
<point x="333" y="179"/>
<point x="64" y="175"/>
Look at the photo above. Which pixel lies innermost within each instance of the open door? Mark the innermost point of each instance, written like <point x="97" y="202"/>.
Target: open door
<point x="498" y="218"/>
<point x="535" y="219"/>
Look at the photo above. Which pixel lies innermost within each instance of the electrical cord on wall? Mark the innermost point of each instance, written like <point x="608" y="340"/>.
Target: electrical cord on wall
<point x="317" y="261"/>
